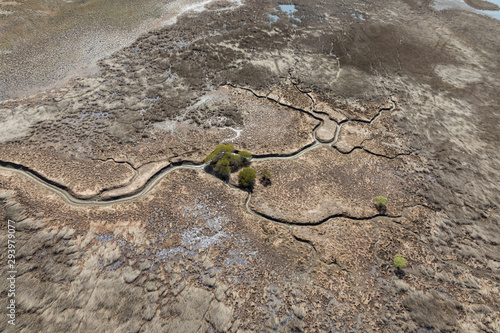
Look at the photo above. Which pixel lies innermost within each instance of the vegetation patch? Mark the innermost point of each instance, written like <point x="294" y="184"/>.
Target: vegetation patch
<point x="399" y="262"/>
<point x="380" y="202"/>
<point x="246" y="177"/>
<point x="265" y="177"/>
<point x="225" y="159"/>
<point x="222" y="169"/>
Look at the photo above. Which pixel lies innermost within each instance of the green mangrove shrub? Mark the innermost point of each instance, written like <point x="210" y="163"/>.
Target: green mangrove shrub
<point x="380" y="202"/>
<point x="226" y="159"/>
<point x="399" y="262"/>
<point x="246" y="177"/>
<point x="225" y="156"/>
<point x="222" y="169"/>
<point x="220" y="152"/>
<point x="245" y="155"/>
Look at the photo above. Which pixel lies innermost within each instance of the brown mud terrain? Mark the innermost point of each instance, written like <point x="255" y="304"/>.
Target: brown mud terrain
<point x="120" y="226"/>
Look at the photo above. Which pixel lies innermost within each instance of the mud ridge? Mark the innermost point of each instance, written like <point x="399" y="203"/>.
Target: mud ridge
<point x="371" y="121"/>
<point x="314" y="253"/>
<point x="157" y="176"/>
<point x="34" y="174"/>
<point x="115" y="161"/>
<point x="72" y="198"/>
<point x="299" y="152"/>
<point x="316" y="223"/>
<point x="339" y="124"/>
<point x="275" y="101"/>
<point x="370" y="152"/>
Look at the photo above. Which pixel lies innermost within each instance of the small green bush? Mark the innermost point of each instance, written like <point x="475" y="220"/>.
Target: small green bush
<point x="399" y="262"/>
<point x="380" y="202"/>
<point x="247" y="177"/>
<point x="265" y="176"/>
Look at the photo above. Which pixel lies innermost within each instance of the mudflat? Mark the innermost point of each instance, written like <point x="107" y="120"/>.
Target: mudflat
<point x="122" y="226"/>
<point x="45" y="43"/>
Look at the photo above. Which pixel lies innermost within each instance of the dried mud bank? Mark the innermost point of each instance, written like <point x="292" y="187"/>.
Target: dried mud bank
<point x="308" y="92"/>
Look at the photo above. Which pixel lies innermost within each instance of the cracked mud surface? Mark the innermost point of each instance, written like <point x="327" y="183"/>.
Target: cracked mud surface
<point x="119" y="228"/>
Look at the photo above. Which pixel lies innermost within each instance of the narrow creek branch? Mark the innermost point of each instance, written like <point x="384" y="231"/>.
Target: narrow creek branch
<point x="73" y="199"/>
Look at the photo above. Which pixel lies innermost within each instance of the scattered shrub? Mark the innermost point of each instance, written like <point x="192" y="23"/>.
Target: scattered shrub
<point x="265" y="177"/>
<point x="380" y="202"/>
<point x="399" y="262"/>
<point x="247" y="177"/>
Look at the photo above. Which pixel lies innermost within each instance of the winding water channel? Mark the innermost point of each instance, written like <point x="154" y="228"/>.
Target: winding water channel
<point x="155" y="179"/>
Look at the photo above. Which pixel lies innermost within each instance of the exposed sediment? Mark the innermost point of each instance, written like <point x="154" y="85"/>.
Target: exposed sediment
<point x="340" y="101"/>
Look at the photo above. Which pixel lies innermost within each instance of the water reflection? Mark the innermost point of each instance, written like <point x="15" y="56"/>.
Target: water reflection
<point x="460" y="4"/>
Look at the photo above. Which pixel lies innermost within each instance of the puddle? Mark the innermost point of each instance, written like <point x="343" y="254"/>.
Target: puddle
<point x="273" y="18"/>
<point x="358" y="16"/>
<point x="460" y="4"/>
<point x="290" y="10"/>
